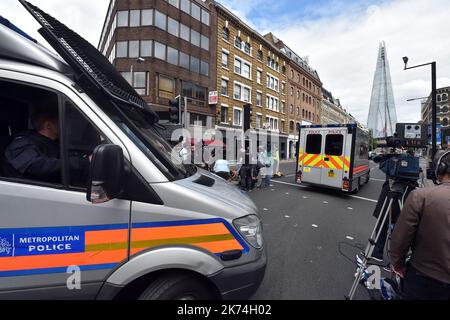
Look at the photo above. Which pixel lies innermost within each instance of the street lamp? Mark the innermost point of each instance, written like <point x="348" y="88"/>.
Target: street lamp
<point x="433" y="101"/>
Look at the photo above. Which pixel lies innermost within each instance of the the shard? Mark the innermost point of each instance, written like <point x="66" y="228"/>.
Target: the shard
<point x="382" y="114"/>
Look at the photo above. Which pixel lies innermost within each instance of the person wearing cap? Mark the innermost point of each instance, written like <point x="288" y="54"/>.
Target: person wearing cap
<point x="424" y="228"/>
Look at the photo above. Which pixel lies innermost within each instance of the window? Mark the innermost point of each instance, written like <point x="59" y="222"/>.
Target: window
<point x="237" y="92"/>
<point x="259" y="99"/>
<point x="196" y="94"/>
<point x="303" y="113"/>
<point x="444" y="97"/>
<point x="166" y="87"/>
<point x="238" y="43"/>
<point x="226" y="34"/>
<point x="146" y="48"/>
<point x="195" y="38"/>
<point x="247" y="94"/>
<point x="224" y="115"/>
<point x="260" y="55"/>
<point x="291" y="126"/>
<point x="283" y="88"/>
<point x="291" y="109"/>
<point x="224" y="59"/>
<point x="122" y="19"/>
<point x="184" y="60"/>
<point x="246" y="71"/>
<point x="259" y="77"/>
<point x="204" y="68"/>
<point x="185" y="6"/>
<point x="172" y="56"/>
<point x="283" y="107"/>
<point x="205" y="17"/>
<point x="314" y="144"/>
<point x="258" y="121"/>
<point x="445" y="122"/>
<point x="195" y="11"/>
<point x="298" y="94"/>
<point x="160" y="51"/>
<point x="237" y="115"/>
<point x="334" y="145"/>
<point x="82" y="138"/>
<point x="297" y="112"/>
<point x="247" y="48"/>
<point x="160" y="20"/>
<point x="185" y="32"/>
<point x="195" y="64"/>
<point x="122" y="49"/>
<point x="173" y="27"/>
<point x="237" y="66"/>
<point x="272" y="82"/>
<point x="224" y="90"/>
<point x="133" y="48"/>
<point x="140" y="82"/>
<point x="19" y="114"/>
<point x="444" y="109"/>
<point x="205" y="42"/>
<point x="198" y="120"/>
<point x="135" y="18"/>
<point x="175" y="3"/>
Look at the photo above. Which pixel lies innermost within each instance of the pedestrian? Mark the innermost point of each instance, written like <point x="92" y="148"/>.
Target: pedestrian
<point x="222" y="169"/>
<point x="261" y="163"/>
<point x="269" y="169"/>
<point x="424" y="228"/>
<point x="276" y="161"/>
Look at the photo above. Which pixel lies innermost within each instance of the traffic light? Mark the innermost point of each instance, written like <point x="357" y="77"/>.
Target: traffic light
<point x="174" y="111"/>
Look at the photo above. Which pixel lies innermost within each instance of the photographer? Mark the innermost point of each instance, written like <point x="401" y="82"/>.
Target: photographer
<point x="424" y="227"/>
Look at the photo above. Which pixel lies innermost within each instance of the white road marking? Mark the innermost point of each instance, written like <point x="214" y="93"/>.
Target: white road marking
<point x="349" y="208"/>
<point x="350" y="238"/>
<point x="325" y="202"/>
<point x="287" y="217"/>
<point x="265" y="209"/>
<point x="351" y="196"/>
<point x="380" y="180"/>
<point x="315" y="226"/>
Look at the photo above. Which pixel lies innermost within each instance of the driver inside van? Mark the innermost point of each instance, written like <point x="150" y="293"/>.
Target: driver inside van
<point x="36" y="155"/>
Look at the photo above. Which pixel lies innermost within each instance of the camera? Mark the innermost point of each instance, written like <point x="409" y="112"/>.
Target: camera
<point x="404" y="167"/>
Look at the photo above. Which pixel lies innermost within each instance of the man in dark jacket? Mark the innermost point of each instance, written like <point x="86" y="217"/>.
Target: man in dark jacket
<point x="35" y="155"/>
<point x="424" y="227"/>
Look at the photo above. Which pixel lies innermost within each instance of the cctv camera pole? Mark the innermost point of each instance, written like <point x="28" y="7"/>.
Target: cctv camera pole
<point x="433" y="102"/>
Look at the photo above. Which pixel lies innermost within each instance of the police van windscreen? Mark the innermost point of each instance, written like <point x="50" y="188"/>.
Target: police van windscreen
<point x="334" y="145"/>
<point x="314" y="144"/>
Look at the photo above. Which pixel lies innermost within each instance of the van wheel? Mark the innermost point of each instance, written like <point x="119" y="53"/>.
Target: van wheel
<point x="367" y="179"/>
<point x="177" y="287"/>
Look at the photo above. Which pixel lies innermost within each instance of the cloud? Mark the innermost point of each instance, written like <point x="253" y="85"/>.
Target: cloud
<point x="342" y="39"/>
<point x="86" y="17"/>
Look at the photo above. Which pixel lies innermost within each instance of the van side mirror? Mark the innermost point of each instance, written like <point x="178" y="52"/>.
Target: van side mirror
<point x="106" y="174"/>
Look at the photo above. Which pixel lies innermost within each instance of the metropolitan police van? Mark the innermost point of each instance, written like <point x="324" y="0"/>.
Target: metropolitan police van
<point x="333" y="156"/>
<point x="134" y="223"/>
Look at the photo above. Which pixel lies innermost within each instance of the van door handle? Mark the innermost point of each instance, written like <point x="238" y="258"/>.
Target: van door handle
<point x="327" y="159"/>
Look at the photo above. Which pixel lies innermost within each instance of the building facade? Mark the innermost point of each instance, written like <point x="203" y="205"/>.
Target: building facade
<point x="250" y="70"/>
<point x="304" y="92"/>
<point x="443" y="111"/>
<point x="165" y="49"/>
<point x="333" y="112"/>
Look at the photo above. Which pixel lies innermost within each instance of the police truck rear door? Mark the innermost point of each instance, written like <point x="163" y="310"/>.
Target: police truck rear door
<point x="334" y="158"/>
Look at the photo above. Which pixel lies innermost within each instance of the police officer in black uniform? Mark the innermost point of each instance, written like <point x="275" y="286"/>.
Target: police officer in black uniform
<point x="35" y="155"/>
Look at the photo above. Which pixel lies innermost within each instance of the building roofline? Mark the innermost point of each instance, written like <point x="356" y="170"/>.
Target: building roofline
<point x="100" y="41"/>
<point x="258" y="35"/>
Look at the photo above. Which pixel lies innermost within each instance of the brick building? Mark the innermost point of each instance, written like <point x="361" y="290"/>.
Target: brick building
<point x="165" y="49"/>
<point x="250" y="70"/>
<point x="443" y="111"/>
<point x="304" y="92"/>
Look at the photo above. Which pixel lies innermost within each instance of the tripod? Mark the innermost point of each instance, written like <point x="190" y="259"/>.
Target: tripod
<point x="397" y="192"/>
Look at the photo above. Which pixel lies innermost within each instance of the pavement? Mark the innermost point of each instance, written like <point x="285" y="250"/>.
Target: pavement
<point x="312" y="237"/>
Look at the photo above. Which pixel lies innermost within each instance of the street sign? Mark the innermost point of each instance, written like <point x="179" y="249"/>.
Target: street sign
<point x="438" y="134"/>
<point x="213" y="97"/>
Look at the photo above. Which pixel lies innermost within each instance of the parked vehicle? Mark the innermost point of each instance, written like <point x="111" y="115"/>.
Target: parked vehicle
<point x="333" y="156"/>
<point x="139" y="225"/>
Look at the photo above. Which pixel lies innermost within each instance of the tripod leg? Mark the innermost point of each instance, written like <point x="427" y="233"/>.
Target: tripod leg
<point x="370" y="246"/>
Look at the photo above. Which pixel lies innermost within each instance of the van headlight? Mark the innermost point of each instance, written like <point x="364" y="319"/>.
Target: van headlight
<point x="250" y="227"/>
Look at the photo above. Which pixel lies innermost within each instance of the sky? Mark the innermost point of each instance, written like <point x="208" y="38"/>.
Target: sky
<point x="340" y="37"/>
